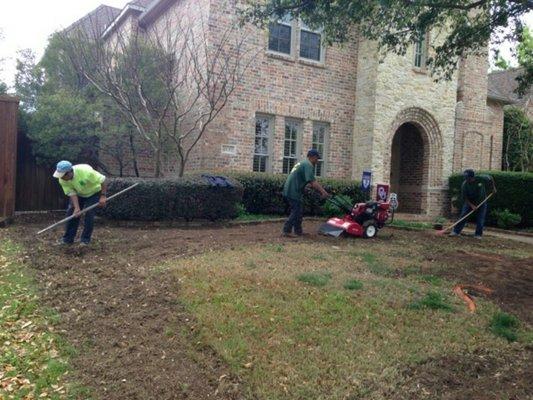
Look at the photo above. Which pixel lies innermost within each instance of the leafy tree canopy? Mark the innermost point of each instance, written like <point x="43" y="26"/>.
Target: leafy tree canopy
<point x="466" y="26"/>
<point x="517" y="141"/>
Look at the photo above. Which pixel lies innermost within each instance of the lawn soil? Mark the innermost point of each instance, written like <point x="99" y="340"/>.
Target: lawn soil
<point x="135" y="340"/>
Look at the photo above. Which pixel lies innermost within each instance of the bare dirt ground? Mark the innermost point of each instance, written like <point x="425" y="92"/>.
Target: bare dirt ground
<point x="135" y="340"/>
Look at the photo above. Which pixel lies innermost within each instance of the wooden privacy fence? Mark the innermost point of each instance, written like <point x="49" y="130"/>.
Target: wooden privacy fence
<point x="37" y="190"/>
<point x="8" y="155"/>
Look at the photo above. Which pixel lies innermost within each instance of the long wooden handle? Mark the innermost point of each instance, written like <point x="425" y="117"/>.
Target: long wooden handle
<point x="469" y="214"/>
<point x="85" y="210"/>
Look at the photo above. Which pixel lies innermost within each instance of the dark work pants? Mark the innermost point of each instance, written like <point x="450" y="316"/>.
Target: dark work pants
<point x="88" y="225"/>
<point x="481" y="212"/>
<point x="295" y="217"/>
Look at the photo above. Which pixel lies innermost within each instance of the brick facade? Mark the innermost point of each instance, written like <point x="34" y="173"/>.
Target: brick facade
<point x="381" y="113"/>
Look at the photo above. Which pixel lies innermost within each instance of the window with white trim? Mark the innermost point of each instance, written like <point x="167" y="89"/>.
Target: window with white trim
<point x="310" y="43"/>
<point x="280" y="35"/>
<point x="320" y="140"/>
<point x="421" y="50"/>
<point x="263" y="133"/>
<point x="291" y="145"/>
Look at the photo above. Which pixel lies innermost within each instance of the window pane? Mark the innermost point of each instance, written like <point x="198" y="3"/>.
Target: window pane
<point x="310" y="45"/>
<point x="261" y="144"/>
<point x="319" y="143"/>
<point x="279" y="38"/>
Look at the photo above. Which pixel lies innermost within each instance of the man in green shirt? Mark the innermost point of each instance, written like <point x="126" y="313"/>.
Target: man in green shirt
<point x="301" y="175"/>
<point x="473" y="192"/>
<point x="85" y="187"/>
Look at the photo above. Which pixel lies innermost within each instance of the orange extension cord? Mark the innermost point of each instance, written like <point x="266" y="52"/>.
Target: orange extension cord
<point x="459" y="290"/>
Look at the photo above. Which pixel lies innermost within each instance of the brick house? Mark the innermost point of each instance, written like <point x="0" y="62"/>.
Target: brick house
<point x="364" y="113"/>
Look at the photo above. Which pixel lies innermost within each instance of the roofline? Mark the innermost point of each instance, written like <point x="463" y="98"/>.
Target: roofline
<point x="119" y="17"/>
<point x="68" y="28"/>
<point x="151" y="12"/>
<point x="500" y="99"/>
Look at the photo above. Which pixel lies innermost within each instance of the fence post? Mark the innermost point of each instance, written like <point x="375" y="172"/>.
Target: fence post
<point x="8" y="156"/>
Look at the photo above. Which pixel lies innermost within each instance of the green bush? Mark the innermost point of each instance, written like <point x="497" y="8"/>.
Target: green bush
<point x="506" y="219"/>
<point x="263" y="193"/>
<point x="514" y="192"/>
<point x="191" y="197"/>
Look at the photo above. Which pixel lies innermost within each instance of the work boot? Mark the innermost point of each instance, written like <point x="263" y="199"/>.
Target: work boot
<point x="62" y="242"/>
<point x="453" y="233"/>
<point x="478" y="237"/>
<point x="286" y="235"/>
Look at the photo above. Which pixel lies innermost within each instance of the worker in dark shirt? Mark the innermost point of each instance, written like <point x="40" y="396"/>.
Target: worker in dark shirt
<point x="473" y="192"/>
<point x="302" y="174"/>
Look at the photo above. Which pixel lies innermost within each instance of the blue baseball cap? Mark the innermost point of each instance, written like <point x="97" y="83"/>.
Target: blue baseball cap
<point x="313" y="153"/>
<point x="62" y="168"/>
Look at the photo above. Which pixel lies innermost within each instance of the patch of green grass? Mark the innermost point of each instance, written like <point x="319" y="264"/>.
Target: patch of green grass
<point x="246" y="217"/>
<point x="317" y="279"/>
<point x="431" y="279"/>
<point x="353" y="284"/>
<point x="433" y="301"/>
<point x="505" y="325"/>
<point x="412" y="225"/>
<point x="33" y="356"/>
<point x="291" y="334"/>
<point x="376" y="266"/>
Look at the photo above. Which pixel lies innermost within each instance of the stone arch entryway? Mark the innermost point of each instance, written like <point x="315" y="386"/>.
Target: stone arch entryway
<point x="415" y="160"/>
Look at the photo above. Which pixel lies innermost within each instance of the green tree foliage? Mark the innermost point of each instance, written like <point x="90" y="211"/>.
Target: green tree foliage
<point x="517" y="141"/>
<point x="29" y="80"/>
<point x="3" y="88"/>
<point x="524" y="54"/>
<point x="465" y="26"/>
<point x="64" y="126"/>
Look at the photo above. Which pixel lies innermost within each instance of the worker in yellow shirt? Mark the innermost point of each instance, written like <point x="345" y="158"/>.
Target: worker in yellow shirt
<point x="84" y="186"/>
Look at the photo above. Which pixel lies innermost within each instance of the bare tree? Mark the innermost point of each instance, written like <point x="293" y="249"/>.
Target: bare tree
<point x="170" y="80"/>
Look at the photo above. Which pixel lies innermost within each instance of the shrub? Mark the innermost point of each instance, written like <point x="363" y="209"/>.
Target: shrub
<point x="515" y="193"/>
<point x="506" y="219"/>
<point x="505" y="325"/>
<point x="263" y="193"/>
<point x="191" y="197"/>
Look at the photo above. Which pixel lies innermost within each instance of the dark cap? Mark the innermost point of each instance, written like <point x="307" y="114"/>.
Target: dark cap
<point x="469" y="173"/>
<point x="313" y="153"/>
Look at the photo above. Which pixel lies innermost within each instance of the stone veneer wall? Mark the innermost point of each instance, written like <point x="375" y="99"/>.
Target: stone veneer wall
<point x="404" y="94"/>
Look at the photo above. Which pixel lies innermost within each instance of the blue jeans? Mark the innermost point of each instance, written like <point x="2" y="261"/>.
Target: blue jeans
<point x="481" y="212"/>
<point x="88" y="225"/>
<point x="295" y="217"/>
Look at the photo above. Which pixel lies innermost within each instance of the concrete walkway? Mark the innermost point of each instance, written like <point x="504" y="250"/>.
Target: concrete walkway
<point x="509" y="236"/>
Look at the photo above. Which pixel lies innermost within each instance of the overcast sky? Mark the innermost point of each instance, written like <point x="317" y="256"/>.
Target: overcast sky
<point x="29" y="23"/>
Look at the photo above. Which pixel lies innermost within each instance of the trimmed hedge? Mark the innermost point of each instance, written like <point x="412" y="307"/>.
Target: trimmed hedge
<point x="190" y="197"/>
<point x="263" y="193"/>
<point x="514" y="192"/>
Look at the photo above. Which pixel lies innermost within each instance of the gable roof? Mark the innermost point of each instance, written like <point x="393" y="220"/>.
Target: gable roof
<point x="503" y="84"/>
<point x="135" y="6"/>
<point x="96" y="22"/>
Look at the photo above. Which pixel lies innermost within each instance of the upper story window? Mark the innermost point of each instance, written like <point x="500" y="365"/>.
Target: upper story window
<point x="263" y="135"/>
<point x="280" y="35"/>
<point x="421" y="50"/>
<point x="310" y="43"/>
<point x="291" y="144"/>
<point x="320" y="136"/>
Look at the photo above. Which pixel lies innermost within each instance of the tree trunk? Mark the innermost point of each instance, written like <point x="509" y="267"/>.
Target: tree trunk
<point x="133" y="154"/>
<point x="157" y="171"/>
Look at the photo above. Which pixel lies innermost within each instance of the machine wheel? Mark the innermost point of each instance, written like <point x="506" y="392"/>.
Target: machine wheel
<point x="370" y="230"/>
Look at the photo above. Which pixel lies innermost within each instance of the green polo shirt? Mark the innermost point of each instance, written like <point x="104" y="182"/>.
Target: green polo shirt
<point x="85" y="183"/>
<point x="476" y="191"/>
<point x="302" y="174"/>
